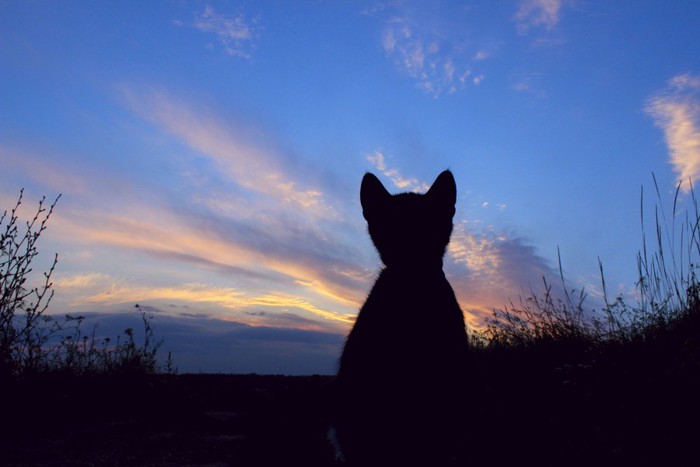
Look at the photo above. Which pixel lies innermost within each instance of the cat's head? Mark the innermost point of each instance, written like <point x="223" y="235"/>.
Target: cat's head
<point x="410" y="230"/>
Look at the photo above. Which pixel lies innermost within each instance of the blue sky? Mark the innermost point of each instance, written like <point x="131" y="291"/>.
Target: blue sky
<point x="209" y="154"/>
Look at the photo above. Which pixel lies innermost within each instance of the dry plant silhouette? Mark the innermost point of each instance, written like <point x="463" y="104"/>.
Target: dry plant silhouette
<point x="24" y="326"/>
<point x="401" y="372"/>
<point x="35" y="342"/>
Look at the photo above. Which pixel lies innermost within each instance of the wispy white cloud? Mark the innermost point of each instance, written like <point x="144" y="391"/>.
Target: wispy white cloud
<point x="528" y="83"/>
<point x="235" y="32"/>
<point x="438" y="61"/>
<point x="432" y="42"/>
<point x="533" y="14"/>
<point x="377" y="159"/>
<point x="676" y="110"/>
<point x="482" y="55"/>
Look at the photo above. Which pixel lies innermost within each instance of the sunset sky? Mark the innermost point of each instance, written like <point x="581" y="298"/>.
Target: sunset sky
<point x="209" y="154"/>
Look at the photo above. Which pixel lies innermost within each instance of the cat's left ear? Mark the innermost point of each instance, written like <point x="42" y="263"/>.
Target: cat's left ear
<point x="373" y="195"/>
<point x="444" y="190"/>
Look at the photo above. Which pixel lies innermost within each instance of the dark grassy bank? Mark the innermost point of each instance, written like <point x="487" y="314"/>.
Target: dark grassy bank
<point x="549" y="382"/>
<point x="550" y="403"/>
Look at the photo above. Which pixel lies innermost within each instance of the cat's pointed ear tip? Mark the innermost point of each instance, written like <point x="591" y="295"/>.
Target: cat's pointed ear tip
<point x="371" y="190"/>
<point x="446" y="173"/>
<point x="371" y="180"/>
<point x="444" y="187"/>
<point x="445" y="176"/>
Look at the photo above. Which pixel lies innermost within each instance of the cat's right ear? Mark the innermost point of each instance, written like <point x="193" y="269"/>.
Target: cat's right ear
<point x="372" y="194"/>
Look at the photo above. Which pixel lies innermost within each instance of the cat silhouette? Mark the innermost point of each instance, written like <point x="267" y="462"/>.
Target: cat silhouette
<point x="400" y="376"/>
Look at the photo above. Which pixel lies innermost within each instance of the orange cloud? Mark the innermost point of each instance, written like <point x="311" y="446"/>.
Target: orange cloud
<point x="676" y="110"/>
<point x="166" y="236"/>
<point x="100" y="289"/>
<point x="489" y="270"/>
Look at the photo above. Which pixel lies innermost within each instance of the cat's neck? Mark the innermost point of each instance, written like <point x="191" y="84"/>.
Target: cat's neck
<point x="415" y="269"/>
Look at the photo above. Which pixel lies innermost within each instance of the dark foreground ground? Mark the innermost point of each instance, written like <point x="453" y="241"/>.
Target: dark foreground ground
<point x="519" y="414"/>
<point x="197" y="420"/>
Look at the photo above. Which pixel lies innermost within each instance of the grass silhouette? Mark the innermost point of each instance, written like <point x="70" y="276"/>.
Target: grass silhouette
<point x="559" y="384"/>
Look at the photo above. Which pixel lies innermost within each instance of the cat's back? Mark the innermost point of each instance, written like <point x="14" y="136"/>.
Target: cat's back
<point x="405" y="300"/>
<point x="409" y="323"/>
